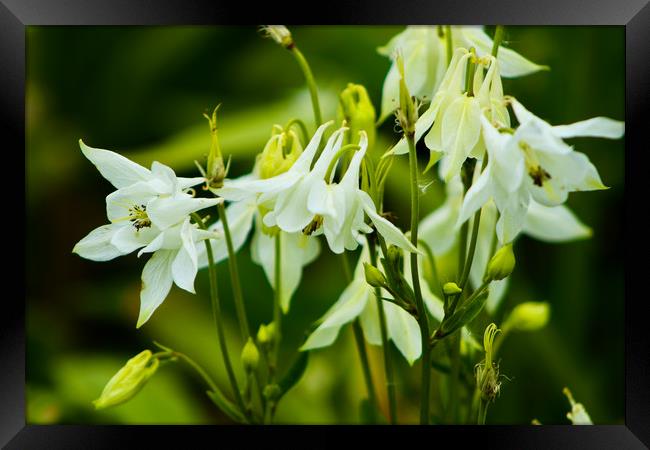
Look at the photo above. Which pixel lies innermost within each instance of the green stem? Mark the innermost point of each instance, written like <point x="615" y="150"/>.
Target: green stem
<point x="388" y="367"/>
<point x="498" y="37"/>
<point x="423" y="320"/>
<point x="482" y="412"/>
<point x="218" y="320"/>
<point x="361" y="345"/>
<point x="454" y="378"/>
<point x="450" y="46"/>
<point x="198" y="369"/>
<point x="472" y="249"/>
<point x="234" y="275"/>
<point x="277" y="320"/>
<point x="311" y="84"/>
<point x="303" y="129"/>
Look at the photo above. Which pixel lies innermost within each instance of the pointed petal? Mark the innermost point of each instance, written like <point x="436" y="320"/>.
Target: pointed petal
<point x="404" y="331"/>
<point x="165" y="212"/>
<point x="370" y="322"/>
<point x="128" y="239"/>
<point x="554" y="224"/>
<point x="97" y="246"/>
<point x="185" y="266"/>
<point x="390" y="232"/>
<point x="117" y="169"/>
<point x="596" y="127"/>
<point x="156" y="283"/>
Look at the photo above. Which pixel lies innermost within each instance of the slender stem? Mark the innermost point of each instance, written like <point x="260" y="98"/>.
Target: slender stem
<point x="388" y="366"/>
<point x="423" y="320"/>
<point x="218" y="320"/>
<point x="454" y="376"/>
<point x="311" y="84"/>
<point x="498" y="37"/>
<point x="277" y="320"/>
<point x="450" y="45"/>
<point x="361" y="345"/>
<point x="198" y="369"/>
<point x="234" y="275"/>
<point x="472" y="249"/>
<point x="482" y="412"/>
<point x="303" y="129"/>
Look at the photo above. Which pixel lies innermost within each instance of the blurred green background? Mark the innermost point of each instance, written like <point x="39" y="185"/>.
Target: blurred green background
<point x="141" y="91"/>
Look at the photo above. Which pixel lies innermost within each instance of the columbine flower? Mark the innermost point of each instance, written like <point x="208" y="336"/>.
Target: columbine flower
<point x="424" y="49"/>
<point x="358" y="301"/>
<point x="439" y="230"/>
<point x="452" y="122"/>
<point x="149" y="209"/>
<point x="534" y="163"/>
<point x="297" y="250"/>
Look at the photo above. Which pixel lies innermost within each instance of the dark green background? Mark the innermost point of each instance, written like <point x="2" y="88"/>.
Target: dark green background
<point x="141" y="91"/>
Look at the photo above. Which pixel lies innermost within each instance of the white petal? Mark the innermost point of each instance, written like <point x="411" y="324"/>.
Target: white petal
<point x="486" y="235"/>
<point x="168" y="211"/>
<point x="97" y="246"/>
<point x="370" y="322"/>
<point x="291" y="213"/>
<point x="117" y="169"/>
<point x="495" y="295"/>
<point x="128" y="239"/>
<point x="554" y="224"/>
<point x="596" y="127"/>
<point x="184" y="267"/>
<point x="404" y="331"/>
<point x="156" y="283"/>
<point x="348" y="307"/>
<point x="390" y="232"/>
<point x="513" y="214"/>
<point x="461" y="128"/>
<point x="477" y="195"/>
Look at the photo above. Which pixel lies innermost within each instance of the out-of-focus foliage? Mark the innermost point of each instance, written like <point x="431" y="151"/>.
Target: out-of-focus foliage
<point x="142" y="91"/>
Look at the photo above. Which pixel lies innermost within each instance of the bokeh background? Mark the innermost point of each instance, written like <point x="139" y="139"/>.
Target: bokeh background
<point x="141" y="91"/>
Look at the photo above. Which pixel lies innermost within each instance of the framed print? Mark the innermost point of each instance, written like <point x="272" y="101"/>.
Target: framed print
<point x="421" y="214"/>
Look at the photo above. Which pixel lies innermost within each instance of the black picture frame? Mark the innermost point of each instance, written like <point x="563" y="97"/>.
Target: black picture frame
<point x="634" y="15"/>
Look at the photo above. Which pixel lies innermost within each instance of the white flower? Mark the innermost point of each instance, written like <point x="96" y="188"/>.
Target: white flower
<point x="358" y="301"/>
<point x="439" y="230"/>
<point x="534" y="163"/>
<point x="149" y="209"/>
<point x="452" y="122"/>
<point x="424" y="52"/>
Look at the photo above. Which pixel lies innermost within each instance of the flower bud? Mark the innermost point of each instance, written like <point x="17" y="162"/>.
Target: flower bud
<point x="266" y="335"/>
<point x="451" y="288"/>
<point x="502" y="264"/>
<point x="407" y="113"/>
<point x="272" y="392"/>
<point x="128" y="381"/>
<point x="395" y="257"/>
<point x="279" y="33"/>
<point x="528" y="316"/>
<point x="250" y="356"/>
<point x="374" y="277"/>
<point x="578" y="414"/>
<point x="279" y="154"/>
<point x="356" y="109"/>
<point x="216" y="171"/>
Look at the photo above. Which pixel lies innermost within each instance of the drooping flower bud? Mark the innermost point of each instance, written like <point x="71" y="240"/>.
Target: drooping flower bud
<point x="216" y="170"/>
<point x="356" y="109"/>
<point x="502" y="264"/>
<point x="128" y="381"/>
<point x="279" y="33"/>
<point x="266" y="336"/>
<point x="578" y="414"/>
<point x="451" y="288"/>
<point x="374" y="277"/>
<point x="250" y="356"/>
<point x="528" y="316"/>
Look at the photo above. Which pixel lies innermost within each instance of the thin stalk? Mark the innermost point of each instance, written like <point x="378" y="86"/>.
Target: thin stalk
<point x="388" y="366"/>
<point x="277" y="320"/>
<point x="303" y="129"/>
<point x="361" y="345"/>
<point x="198" y="369"/>
<point x="454" y="378"/>
<point x="311" y="84"/>
<point x="218" y="320"/>
<point x="498" y="37"/>
<point x="234" y="275"/>
<point x="423" y="320"/>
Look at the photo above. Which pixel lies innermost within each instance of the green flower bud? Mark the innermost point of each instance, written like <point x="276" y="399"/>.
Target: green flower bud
<point x="356" y="109"/>
<point x="128" y="381"/>
<point x="216" y="171"/>
<point x="266" y="335"/>
<point x="279" y="33"/>
<point x="250" y="356"/>
<point x="451" y="288"/>
<point x="487" y="372"/>
<point x="279" y="154"/>
<point x="502" y="264"/>
<point x="578" y="414"/>
<point x="272" y="392"/>
<point x="374" y="277"/>
<point x="395" y="257"/>
<point x="529" y="316"/>
<point x="407" y="114"/>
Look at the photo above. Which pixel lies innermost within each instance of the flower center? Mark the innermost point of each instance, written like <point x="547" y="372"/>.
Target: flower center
<point x="314" y="225"/>
<point x="138" y="217"/>
<point x="534" y="168"/>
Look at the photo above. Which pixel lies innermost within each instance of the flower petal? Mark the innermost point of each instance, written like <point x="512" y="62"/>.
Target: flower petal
<point x="185" y="266"/>
<point x="554" y="224"/>
<point x="156" y="282"/>
<point x="404" y="331"/>
<point x="596" y="127"/>
<point x="167" y="211"/>
<point x="117" y="169"/>
<point x="128" y="239"/>
<point x="97" y="246"/>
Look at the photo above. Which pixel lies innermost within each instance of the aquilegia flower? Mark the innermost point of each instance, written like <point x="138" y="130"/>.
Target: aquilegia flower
<point x="424" y="49"/>
<point x="149" y="209"/>
<point x="534" y="163"/>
